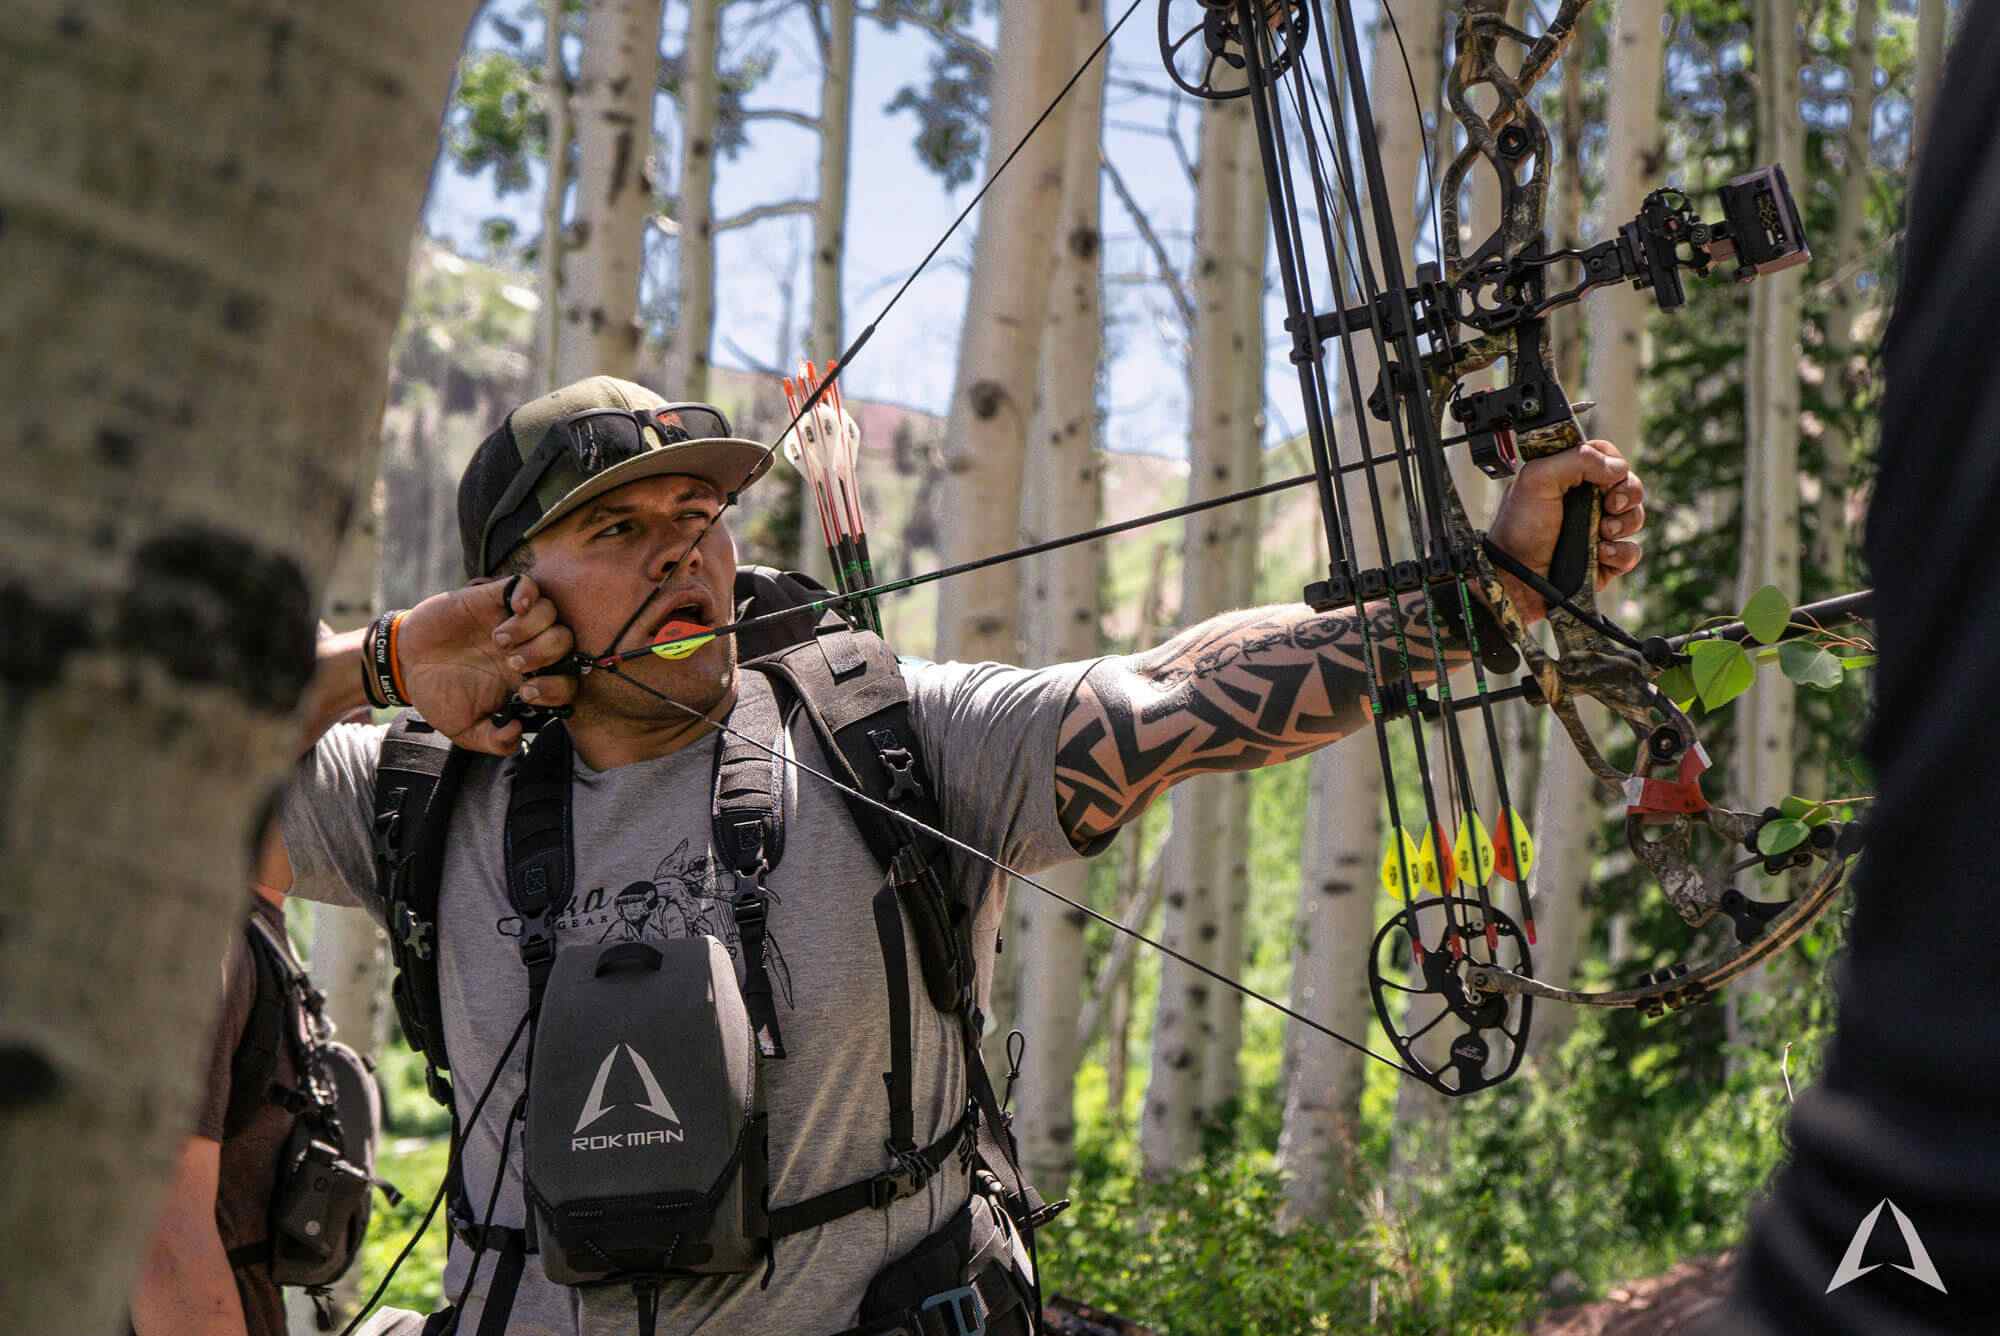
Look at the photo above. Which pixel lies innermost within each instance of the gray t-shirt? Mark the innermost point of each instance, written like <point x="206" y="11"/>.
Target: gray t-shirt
<point x="644" y="869"/>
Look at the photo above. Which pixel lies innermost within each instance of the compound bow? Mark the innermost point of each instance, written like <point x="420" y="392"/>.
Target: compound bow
<point x="1457" y="319"/>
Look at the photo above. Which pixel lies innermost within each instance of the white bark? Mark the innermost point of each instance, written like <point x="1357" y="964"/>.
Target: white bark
<point x="1933" y="30"/>
<point x="555" y="105"/>
<point x="992" y="403"/>
<point x="836" y="115"/>
<point x="694" y="334"/>
<point x="1206" y="838"/>
<point x="1343" y="824"/>
<point x="1242" y="284"/>
<point x="1763" y="766"/>
<point x="349" y="955"/>
<point x="613" y="111"/>
<point x="1062" y="618"/>
<point x="1566" y="221"/>
<point x="208" y="212"/>
<point x="1848" y="370"/>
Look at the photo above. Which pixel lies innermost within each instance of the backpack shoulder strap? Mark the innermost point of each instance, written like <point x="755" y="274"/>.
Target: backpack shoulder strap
<point x="540" y="845"/>
<point x="747" y="827"/>
<point x="253" y="1068"/>
<point x="416" y="784"/>
<point x="859" y="704"/>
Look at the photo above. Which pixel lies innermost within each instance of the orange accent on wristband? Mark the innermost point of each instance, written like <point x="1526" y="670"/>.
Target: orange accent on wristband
<point x="395" y="664"/>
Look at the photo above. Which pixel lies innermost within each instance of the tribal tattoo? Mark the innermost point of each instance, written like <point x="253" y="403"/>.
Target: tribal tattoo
<point x="1239" y="691"/>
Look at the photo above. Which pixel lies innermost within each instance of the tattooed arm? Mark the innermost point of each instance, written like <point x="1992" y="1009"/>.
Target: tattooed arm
<point x="1239" y="691"/>
<point x="1248" y="689"/>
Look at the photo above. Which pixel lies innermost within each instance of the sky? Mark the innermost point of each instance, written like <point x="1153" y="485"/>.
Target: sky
<point x="898" y="209"/>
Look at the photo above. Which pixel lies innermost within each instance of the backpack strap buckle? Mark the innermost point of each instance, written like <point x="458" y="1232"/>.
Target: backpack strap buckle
<point x="414" y="932"/>
<point x="899" y="764"/>
<point x="962" y="1310"/>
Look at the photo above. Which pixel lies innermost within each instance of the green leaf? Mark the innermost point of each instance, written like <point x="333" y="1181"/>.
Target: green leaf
<point x="1808" y="665"/>
<point x="1722" y="672"/>
<point x="1677" y="685"/>
<point x="1808" y="810"/>
<point x="1851" y="662"/>
<point x="1782" y="836"/>
<point x="1767" y="614"/>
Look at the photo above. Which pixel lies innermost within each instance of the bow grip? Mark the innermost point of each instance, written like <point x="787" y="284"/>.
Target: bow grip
<point x="1570" y="564"/>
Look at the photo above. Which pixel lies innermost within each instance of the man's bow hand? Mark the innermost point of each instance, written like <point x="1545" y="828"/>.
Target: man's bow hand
<point x="1529" y="518"/>
<point x="464" y="652"/>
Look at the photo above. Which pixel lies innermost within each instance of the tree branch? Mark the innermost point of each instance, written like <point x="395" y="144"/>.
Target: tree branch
<point x="1168" y="274"/>
<point x="889" y="14"/>
<point x="760" y="212"/>
<point x="1097" y="1007"/>
<point x="800" y="118"/>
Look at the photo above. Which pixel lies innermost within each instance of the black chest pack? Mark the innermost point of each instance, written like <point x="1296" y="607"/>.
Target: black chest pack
<point x="644" y="1132"/>
<point x="324" y="1193"/>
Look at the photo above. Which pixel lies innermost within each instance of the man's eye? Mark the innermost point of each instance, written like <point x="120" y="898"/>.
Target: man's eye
<point x="614" y="529"/>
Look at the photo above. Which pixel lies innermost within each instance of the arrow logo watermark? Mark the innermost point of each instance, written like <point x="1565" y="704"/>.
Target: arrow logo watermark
<point x="1921" y="1267"/>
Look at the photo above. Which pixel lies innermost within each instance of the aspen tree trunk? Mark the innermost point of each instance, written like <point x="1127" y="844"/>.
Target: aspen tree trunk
<point x="1118" y="1026"/>
<point x="836" y="116"/>
<point x="700" y="98"/>
<point x="1933" y="30"/>
<point x="1848" y="369"/>
<point x="555" y="105"/>
<point x="619" y="69"/>
<point x="1243" y="282"/>
<point x="1567" y="221"/>
<point x="1200" y="850"/>
<point x="1064" y="483"/>
<point x="826" y="337"/>
<point x="349" y="954"/>
<point x="1570" y="804"/>
<point x="207" y="217"/>
<point x="993" y="401"/>
<point x="1763" y="768"/>
<point x="1343" y="824"/>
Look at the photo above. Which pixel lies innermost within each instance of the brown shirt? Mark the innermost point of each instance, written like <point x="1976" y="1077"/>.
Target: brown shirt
<point x="249" y="1167"/>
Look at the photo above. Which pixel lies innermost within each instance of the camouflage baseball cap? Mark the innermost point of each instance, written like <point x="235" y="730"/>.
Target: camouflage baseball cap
<point x="554" y="453"/>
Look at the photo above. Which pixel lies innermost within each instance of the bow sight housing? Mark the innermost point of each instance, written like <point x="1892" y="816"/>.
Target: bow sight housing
<point x="1760" y="230"/>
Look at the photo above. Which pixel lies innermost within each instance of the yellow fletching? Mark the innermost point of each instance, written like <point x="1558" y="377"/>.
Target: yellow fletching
<point x="1474" y="851"/>
<point x="1395" y="860"/>
<point x="1514" y="848"/>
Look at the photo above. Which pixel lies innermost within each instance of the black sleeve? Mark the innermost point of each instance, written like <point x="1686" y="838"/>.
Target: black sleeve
<point x="1909" y="1107"/>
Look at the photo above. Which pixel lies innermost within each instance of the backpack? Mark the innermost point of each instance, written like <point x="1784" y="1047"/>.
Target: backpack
<point x="850" y="687"/>
<point x="324" y="1192"/>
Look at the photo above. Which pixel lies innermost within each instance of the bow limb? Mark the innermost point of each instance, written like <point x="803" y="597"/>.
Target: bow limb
<point x="1683" y="985"/>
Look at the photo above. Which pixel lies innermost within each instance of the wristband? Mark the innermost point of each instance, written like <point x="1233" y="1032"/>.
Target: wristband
<point x="395" y="657"/>
<point x="379" y="651"/>
<point x="368" y="688"/>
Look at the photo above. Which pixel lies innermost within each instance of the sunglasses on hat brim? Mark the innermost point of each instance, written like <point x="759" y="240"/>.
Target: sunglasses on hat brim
<point x="593" y="441"/>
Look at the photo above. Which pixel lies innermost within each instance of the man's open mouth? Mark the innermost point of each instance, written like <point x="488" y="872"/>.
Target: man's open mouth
<point x="684" y="630"/>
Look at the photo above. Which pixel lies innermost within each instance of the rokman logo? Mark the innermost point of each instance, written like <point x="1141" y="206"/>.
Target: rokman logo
<point x="655" y="1103"/>
<point x="1920" y="1267"/>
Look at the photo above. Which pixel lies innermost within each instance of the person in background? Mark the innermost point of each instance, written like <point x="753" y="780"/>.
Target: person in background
<point x="218" y="1201"/>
